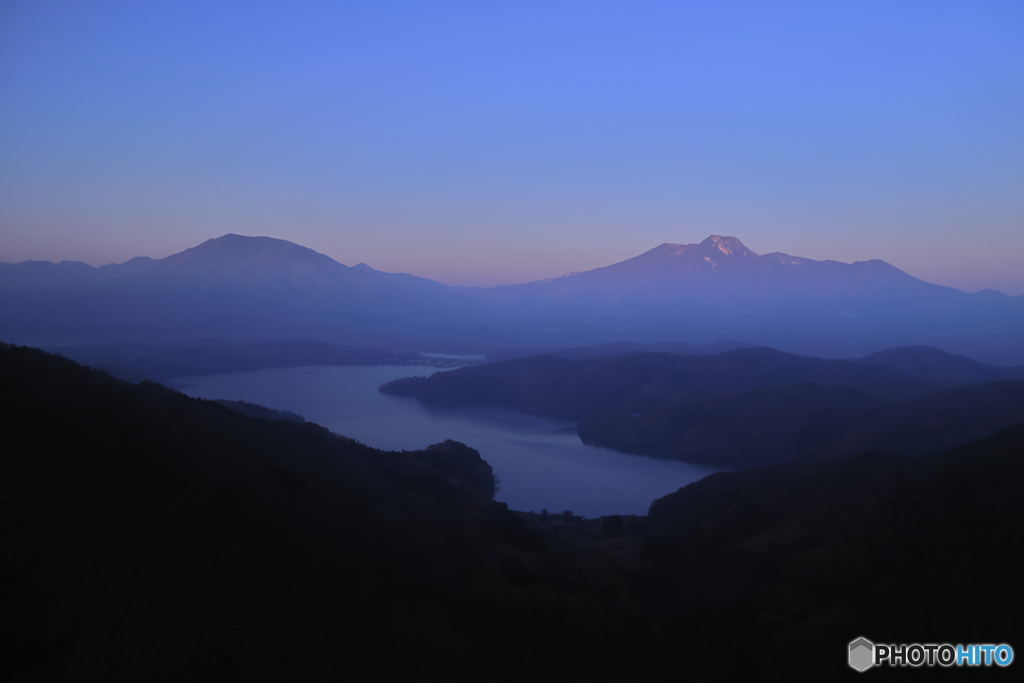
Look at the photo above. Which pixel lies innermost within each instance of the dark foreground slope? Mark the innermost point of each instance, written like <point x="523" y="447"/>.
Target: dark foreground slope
<point x="145" y="535"/>
<point x="794" y="561"/>
<point x="150" y="536"/>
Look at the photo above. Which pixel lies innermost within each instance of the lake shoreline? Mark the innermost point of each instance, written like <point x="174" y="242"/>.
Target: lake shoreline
<point x="540" y="463"/>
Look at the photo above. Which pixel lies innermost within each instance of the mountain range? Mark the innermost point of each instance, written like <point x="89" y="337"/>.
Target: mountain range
<point x="264" y="289"/>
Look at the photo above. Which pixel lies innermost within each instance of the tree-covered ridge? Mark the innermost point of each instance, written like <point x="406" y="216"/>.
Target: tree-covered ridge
<point x="747" y="406"/>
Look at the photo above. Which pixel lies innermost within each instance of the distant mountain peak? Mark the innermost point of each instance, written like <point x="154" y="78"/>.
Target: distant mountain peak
<point x="730" y="246"/>
<point x="240" y="258"/>
<point x="235" y="245"/>
<point x="711" y="249"/>
<point x="254" y="251"/>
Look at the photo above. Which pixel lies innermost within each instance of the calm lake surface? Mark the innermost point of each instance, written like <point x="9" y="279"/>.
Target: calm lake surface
<point x="540" y="463"/>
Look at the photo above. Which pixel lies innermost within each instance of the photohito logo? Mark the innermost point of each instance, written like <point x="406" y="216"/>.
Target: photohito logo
<point x="863" y="654"/>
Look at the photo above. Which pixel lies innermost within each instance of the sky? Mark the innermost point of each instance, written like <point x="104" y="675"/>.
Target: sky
<point x="499" y="142"/>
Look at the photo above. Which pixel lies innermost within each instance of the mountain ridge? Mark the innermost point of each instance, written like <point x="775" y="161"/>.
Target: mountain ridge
<point x="723" y="257"/>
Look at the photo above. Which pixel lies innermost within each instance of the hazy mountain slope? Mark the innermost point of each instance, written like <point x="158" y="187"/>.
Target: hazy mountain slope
<point x="234" y="287"/>
<point x="44" y="274"/>
<point x="726" y="261"/>
<point x="719" y="289"/>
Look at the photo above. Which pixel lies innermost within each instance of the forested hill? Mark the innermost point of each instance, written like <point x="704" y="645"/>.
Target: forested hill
<point x="785" y="565"/>
<point x="151" y="536"/>
<point x="747" y="406"/>
<point x="554" y="386"/>
<point x="145" y="535"/>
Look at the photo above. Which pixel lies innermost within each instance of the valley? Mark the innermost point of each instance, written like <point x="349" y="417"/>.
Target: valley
<point x="704" y="460"/>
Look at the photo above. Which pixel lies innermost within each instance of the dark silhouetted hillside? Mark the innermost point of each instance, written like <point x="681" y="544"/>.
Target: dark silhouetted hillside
<point x="150" y="536"/>
<point x="253" y="410"/>
<point x="808" y="421"/>
<point x="742" y="407"/>
<point x="787" y="564"/>
<point x="559" y="387"/>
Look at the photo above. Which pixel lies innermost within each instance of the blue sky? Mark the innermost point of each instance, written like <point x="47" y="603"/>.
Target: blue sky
<point x="480" y="143"/>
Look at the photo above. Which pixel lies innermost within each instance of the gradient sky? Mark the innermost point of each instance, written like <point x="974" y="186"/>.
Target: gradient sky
<point x="483" y="143"/>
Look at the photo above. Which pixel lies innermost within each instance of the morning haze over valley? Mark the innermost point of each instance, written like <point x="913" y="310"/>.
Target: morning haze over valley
<point x="424" y="342"/>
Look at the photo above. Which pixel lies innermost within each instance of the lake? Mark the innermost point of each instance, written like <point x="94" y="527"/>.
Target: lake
<point x="540" y="463"/>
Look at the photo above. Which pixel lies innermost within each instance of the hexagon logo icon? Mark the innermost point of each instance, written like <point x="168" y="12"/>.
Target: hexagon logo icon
<point x="862" y="654"/>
